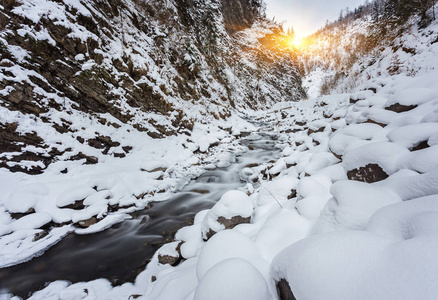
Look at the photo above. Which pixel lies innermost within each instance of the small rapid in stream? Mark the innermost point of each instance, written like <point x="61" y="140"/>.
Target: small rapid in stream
<point x="121" y="252"/>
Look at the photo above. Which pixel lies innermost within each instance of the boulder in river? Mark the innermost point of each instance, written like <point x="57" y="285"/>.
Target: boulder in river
<point x="87" y="223"/>
<point x="170" y="254"/>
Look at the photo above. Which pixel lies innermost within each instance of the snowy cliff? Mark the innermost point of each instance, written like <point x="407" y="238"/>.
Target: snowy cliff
<point x="159" y="66"/>
<point x="123" y="102"/>
<point x="344" y="208"/>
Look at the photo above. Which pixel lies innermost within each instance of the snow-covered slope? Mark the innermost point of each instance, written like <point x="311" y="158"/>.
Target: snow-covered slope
<point x="108" y="105"/>
<point x="348" y="212"/>
<point x="156" y="66"/>
<point x="347" y="53"/>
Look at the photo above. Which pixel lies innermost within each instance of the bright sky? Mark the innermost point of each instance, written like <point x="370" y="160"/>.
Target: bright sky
<point x="307" y="16"/>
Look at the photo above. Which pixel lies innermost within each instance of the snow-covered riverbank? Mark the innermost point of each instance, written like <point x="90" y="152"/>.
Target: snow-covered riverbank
<point x="94" y="197"/>
<point x="352" y="199"/>
<point x="121" y="252"/>
<point x="348" y="211"/>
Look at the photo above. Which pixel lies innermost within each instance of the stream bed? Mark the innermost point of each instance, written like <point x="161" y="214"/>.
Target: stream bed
<point x="121" y="252"/>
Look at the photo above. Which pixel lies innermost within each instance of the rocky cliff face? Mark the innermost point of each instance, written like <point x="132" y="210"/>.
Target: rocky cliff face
<point x="159" y="66"/>
<point x="239" y="15"/>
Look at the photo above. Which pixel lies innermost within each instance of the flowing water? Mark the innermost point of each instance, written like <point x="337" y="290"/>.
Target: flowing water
<point x="121" y="252"/>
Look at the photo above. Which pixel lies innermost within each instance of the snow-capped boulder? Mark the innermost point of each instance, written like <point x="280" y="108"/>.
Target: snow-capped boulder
<point x="395" y="258"/>
<point x="232" y="209"/>
<point x="170" y="254"/>
<point x="373" y="162"/>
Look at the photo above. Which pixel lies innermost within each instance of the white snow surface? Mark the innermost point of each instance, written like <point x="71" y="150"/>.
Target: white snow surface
<point x="329" y="237"/>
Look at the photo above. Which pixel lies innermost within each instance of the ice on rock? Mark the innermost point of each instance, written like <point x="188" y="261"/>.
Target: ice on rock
<point x="202" y="136"/>
<point x="52" y="290"/>
<point x="233" y="278"/>
<point x="20" y="245"/>
<point x="317" y="125"/>
<point x="168" y="253"/>
<point x="5" y="217"/>
<point x="333" y="173"/>
<point x="200" y="216"/>
<point x="101" y="197"/>
<point x="337" y="124"/>
<point x="88" y="212"/>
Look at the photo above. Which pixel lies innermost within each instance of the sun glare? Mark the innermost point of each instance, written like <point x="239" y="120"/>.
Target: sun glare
<point x="295" y="42"/>
<point x="292" y="42"/>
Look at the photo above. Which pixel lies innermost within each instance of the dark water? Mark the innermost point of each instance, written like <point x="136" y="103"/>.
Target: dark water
<point x="121" y="252"/>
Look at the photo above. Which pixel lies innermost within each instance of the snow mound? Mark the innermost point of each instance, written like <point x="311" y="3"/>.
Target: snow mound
<point x="276" y="191"/>
<point x="400" y="237"/>
<point x="352" y="205"/>
<point x="232" y="204"/>
<point x="384" y="154"/>
<point x="233" y="278"/>
<point x="223" y="245"/>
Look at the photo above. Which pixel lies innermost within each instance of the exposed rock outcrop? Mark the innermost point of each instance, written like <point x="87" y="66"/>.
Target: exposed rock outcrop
<point x="141" y="63"/>
<point x="370" y="173"/>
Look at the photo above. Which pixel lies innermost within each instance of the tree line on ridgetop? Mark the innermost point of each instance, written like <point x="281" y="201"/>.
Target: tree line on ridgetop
<point x="381" y="21"/>
<point x="393" y="12"/>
